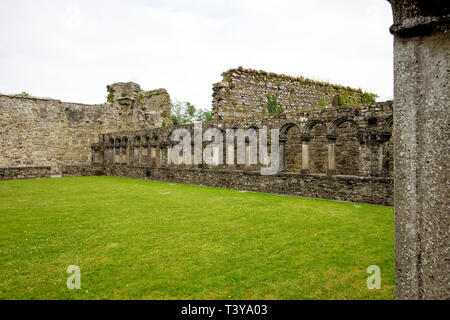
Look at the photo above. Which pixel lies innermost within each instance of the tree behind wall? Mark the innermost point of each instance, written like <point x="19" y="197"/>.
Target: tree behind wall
<point x="186" y="112"/>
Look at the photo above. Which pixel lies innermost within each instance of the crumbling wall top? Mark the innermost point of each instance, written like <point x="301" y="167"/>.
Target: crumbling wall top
<point x="248" y="93"/>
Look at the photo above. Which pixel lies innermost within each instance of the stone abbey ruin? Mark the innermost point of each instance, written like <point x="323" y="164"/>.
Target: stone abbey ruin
<point x="335" y="143"/>
<point x="334" y="140"/>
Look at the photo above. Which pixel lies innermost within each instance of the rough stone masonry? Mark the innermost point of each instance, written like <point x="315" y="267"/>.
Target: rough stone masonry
<point x="335" y="140"/>
<point x="421" y="136"/>
<point x="41" y="132"/>
<point x="336" y="145"/>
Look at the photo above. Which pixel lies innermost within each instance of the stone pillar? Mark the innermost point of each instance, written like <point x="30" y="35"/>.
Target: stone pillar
<point x="152" y="157"/>
<point x="331" y="154"/>
<point x="158" y="157"/>
<point x="135" y="154"/>
<point x="305" y="152"/>
<point x="140" y="155"/>
<point x="282" y="148"/>
<point x="162" y="156"/>
<point x="247" y="155"/>
<point x="118" y="156"/>
<point x="217" y="154"/>
<point x="224" y="152"/>
<point x="117" y="153"/>
<point x="193" y="164"/>
<point x="145" y="152"/>
<point x="382" y="153"/>
<point x="421" y="142"/>
<point x="230" y="154"/>
<point x="369" y="149"/>
<point x="125" y="151"/>
<point x="169" y="155"/>
<point x="109" y="155"/>
<point x="124" y="156"/>
<point x="265" y="158"/>
<point x="252" y="156"/>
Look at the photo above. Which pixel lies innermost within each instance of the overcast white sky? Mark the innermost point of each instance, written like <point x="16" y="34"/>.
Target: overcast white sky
<point x="71" y="50"/>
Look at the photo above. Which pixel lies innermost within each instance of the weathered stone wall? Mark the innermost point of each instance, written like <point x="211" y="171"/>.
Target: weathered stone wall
<point x="344" y="188"/>
<point x="360" y="136"/>
<point x="48" y="132"/>
<point x="25" y="173"/>
<point x="139" y="109"/>
<point x="333" y="152"/>
<point x="243" y="93"/>
<point x="82" y="171"/>
<point x="46" y="172"/>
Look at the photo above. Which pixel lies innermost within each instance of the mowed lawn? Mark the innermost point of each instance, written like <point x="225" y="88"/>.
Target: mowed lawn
<point x="137" y="239"/>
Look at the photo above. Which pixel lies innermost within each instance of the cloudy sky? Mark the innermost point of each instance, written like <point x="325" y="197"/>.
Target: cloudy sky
<point x="71" y="50"/>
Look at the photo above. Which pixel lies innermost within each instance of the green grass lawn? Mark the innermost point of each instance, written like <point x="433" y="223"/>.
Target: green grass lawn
<point x="136" y="239"/>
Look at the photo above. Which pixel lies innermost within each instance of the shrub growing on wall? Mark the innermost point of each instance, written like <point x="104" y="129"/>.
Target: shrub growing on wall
<point x="272" y="104"/>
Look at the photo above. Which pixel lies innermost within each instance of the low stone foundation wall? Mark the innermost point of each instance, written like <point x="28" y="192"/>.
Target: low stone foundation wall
<point x="25" y="173"/>
<point x="47" y="172"/>
<point x="81" y="171"/>
<point x="372" y="190"/>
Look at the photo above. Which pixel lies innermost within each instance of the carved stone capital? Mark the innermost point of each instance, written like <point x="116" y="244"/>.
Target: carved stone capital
<point x="419" y="17"/>
<point x="331" y="137"/>
<point x="305" y="137"/>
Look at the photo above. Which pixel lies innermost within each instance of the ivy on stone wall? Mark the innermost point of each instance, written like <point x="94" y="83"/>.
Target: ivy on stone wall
<point x="247" y="87"/>
<point x="23" y="94"/>
<point x="347" y="99"/>
<point x="110" y="97"/>
<point x="272" y="105"/>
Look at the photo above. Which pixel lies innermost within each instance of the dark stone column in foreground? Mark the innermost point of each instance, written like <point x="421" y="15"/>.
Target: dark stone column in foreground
<point x="421" y="142"/>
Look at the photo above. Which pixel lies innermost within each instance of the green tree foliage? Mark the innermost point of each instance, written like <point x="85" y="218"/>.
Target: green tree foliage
<point x="186" y="112"/>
